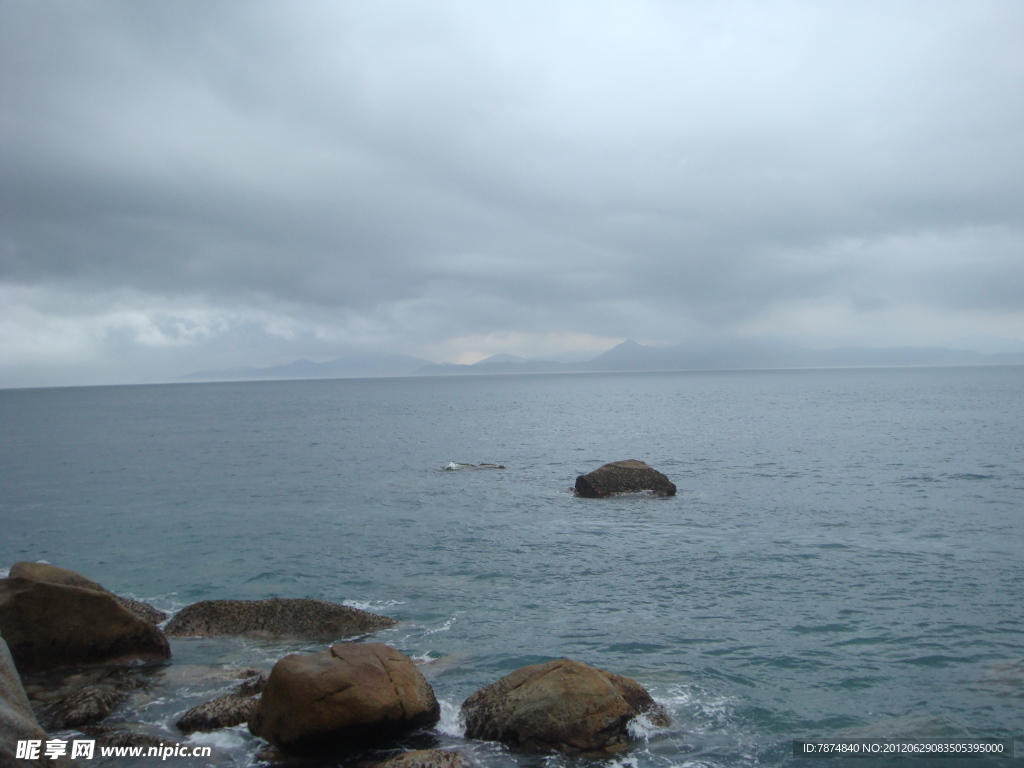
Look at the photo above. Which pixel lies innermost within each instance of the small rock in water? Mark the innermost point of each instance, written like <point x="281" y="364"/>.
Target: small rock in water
<point x="223" y="712"/>
<point x="81" y="707"/>
<point x="252" y="686"/>
<point x="424" y="758"/>
<point x="108" y="736"/>
<point x="629" y="476"/>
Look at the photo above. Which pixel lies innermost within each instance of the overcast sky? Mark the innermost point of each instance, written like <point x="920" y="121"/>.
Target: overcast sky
<point x="191" y="185"/>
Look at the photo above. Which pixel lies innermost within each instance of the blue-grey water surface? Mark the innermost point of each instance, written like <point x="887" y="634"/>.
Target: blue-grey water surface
<point x="845" y="556"/>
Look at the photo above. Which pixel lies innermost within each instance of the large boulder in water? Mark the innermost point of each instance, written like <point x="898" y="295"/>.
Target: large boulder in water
<point x="276" y="618"/>
<point x="347" y="697"/>
<point x="55" y="575"/>
<point x="51" y="625"/>
<point x="629" y="476"/>
<point x="563" y="706"/>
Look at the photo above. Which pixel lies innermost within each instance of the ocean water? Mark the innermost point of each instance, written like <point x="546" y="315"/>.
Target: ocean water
<point x="844" y="558"/>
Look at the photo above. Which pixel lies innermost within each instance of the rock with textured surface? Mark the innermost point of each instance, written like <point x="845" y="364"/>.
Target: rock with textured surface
<point x="347" y="697"/>
<point x="109" y="736"/>
<point x="55" y="575"/>
<point x="563" y="706"/>
<point x="223" y="712"/>
<point x="252" y="686"/>
<point x="82" y="707"/>
<point x="424" y="758"/>
<point x="51" y="625"/>
<point x="629" y="476"/>
<point x="276" y="618"/>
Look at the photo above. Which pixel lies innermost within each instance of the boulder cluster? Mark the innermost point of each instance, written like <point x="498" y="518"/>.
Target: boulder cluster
<point x="343" y="700"/>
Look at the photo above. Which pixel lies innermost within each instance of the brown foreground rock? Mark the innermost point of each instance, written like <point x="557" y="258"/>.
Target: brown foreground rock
<point x="347" y="697"/>
<point x="629" y="476"/>
<point x="51" y="625"/>
<point x="276" y="618"/>
<point x="563" y="706"/>
<point x="54" y="575"/>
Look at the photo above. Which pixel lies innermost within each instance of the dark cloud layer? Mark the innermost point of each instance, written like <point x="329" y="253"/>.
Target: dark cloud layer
<point x="191" y="185"/>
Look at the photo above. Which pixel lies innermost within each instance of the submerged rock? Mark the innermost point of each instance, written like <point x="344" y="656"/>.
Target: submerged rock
<point x="453" y="466"/>
<point x="82" y="707"/>
<point x="108" y="736"/>
<point x="252" y="686"/>
<point x="223" y="712"/>
<point x="347" y="697"/>
<point x="50" y="625"/>
<point x="424" y="758"/>
<point x="629" y="476"/>
<point x="563" y="706"/>
<point x="276" y="618"/>
<point x="55" y="575"/>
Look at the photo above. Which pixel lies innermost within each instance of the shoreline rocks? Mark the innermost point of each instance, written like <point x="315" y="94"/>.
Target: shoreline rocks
<point x="49" y="625"/>
<point x="629" y="476"/>
<point x="347" y="697"/>
<point x="275" y="618"/>
<point x="563" y="705"/>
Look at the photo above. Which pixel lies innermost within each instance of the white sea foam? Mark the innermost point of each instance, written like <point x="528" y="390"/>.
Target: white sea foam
<point x="641" y="727"/>
<point x="453" y="466"/>
<point x="4" y="573"/>
<point x="226" y="739"/>
<point x="701" y="710"/>
<point x="372" y="605"/>
<point x="450" y="723"/>
<point x="444" y="627"/>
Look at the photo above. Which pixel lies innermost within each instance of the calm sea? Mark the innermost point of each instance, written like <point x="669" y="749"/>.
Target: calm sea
<point x="844" y="558"/>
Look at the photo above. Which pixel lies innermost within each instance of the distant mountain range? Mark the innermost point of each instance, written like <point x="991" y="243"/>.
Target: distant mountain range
<point x="353" y="366"/>
<point x="627" y="356"/>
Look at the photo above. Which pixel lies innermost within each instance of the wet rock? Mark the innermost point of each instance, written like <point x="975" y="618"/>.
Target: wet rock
<point x="223" y="712"/>
<point x="252" y="686"/>
<point x="563" y="706"/>
<point x="50" y="625"/>
<point x="629" y="476"/>
<point x="81" y="707"/>
<point x="55" y="575"/>
<point x="276" y="618"/>
<point x="424" y="758"/>
<point x="108" y="736"/>
<point x="347" y="697"/>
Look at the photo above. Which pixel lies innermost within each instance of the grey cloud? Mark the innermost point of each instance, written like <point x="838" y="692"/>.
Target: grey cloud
<point x="393" y="174"/>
